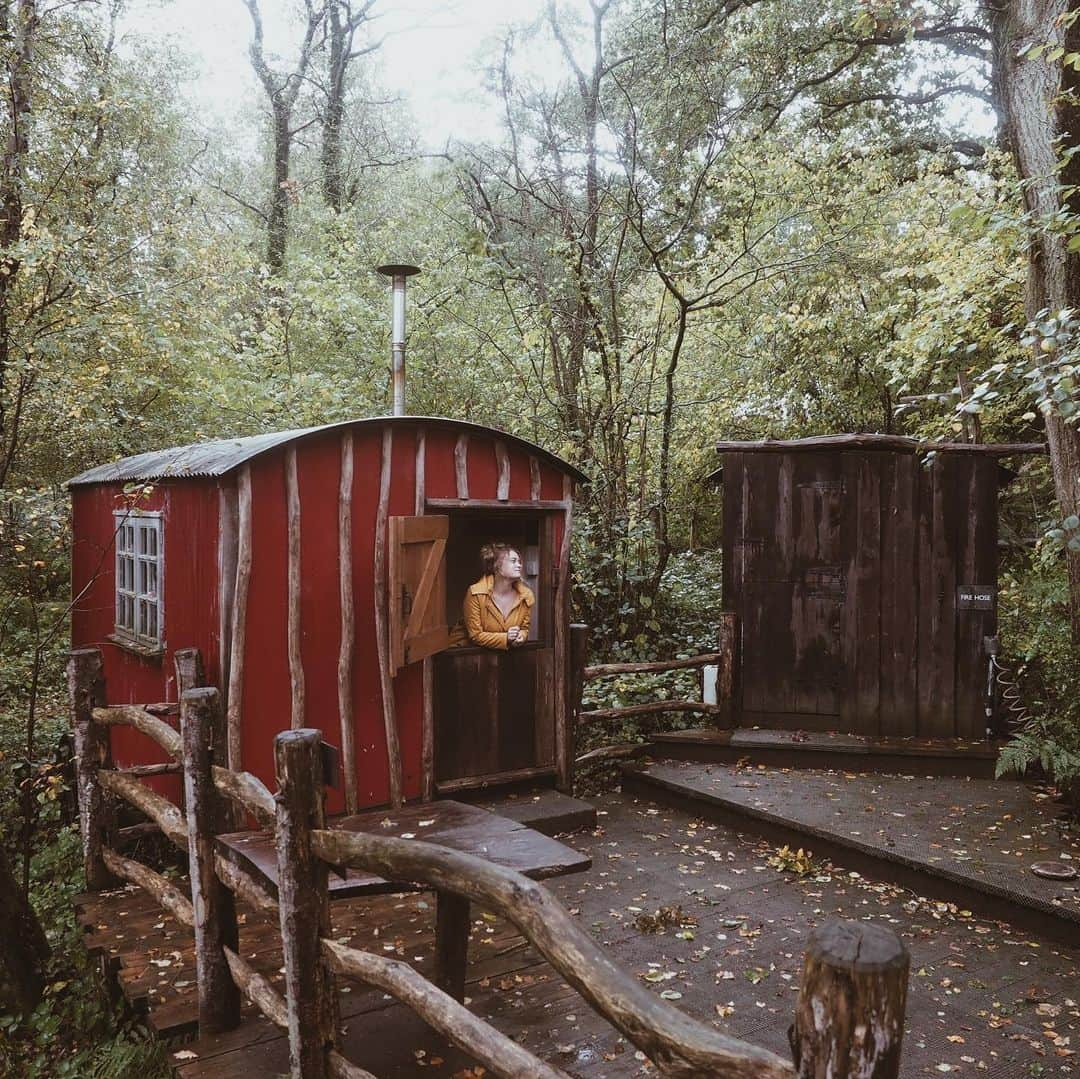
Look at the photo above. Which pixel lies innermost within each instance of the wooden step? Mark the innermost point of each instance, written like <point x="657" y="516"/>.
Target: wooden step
<point x="830" y="749"/>
<point x="929" y="834"/>
<point x="545" y="810"/>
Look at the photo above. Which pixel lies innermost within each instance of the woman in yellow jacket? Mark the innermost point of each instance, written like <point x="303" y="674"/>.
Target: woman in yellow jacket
<point x="498" y="607"/>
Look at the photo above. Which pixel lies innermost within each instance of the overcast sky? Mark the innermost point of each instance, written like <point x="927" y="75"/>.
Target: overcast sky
<point x="429" y="57"/>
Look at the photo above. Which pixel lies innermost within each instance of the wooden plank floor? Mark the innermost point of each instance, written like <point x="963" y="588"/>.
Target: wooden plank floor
<point x="983" y="998"/>
<point x="152" y="959"/>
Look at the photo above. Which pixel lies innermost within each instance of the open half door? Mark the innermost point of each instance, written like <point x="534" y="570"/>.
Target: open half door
<point x="417" y="569"/>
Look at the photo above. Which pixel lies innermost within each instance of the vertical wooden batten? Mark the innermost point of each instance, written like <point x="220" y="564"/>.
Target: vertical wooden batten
<point x="461" y="466"/>
<point x="427" y="729"/>
<point x="502" y="460"/>
<point x="296" y="661"/>
<point x="393" y="744"/>
<point x="534" y="479"/>
<point x="227" y="552"/>
<point x="564" y="764"/>
<point x="348" y="623"/>
<point x="239" y="617"/>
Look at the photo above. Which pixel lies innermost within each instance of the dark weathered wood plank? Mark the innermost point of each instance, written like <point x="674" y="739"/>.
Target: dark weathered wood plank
<point x="976" y="564"/>
<point x="937" y="602"/>
<point x="899" y="598"/>
<point x="867" y="571"/>
<point x="451" y="943"/>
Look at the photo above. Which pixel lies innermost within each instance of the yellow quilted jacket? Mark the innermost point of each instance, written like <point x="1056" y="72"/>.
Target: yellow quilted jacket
<point x="484" y="622"/>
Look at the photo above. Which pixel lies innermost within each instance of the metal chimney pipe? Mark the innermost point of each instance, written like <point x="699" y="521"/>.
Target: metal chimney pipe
<point x="398" y="272"/>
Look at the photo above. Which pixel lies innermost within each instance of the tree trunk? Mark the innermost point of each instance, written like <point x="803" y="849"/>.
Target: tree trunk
<point x="333" y="187"/>
<point x="23" y="947"/>
<point x="277" y="228"/>
<point x="282" y="92"/>
<point x="18" y="27"/>
<point x="1038" y="105"/>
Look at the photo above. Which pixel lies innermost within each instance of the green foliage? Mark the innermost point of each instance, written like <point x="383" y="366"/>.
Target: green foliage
<point x="73" y="1033"/>
<point x="1033" y="600"/>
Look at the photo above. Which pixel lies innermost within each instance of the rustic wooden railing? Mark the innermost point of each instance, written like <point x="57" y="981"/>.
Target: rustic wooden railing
<point x="848" y="1022"/>
<point x="720" y="713"/>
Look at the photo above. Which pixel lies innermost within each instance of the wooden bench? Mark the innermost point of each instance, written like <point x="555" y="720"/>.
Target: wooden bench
<point x="455" y="825"/>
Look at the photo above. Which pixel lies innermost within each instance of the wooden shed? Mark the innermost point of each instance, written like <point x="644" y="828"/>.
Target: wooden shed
<point x="318" y="572"/>
<point x="863" y="573"/>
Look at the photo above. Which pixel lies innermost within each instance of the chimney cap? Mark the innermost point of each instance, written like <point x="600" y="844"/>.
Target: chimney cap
<point x="394" y="269"/>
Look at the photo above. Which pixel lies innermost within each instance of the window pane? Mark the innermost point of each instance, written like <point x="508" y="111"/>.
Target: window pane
<point x="153" y="621"/>
<point x="129" y="532"/>
<point x="129" y="612"/>
<point x="142" y="578"/>
<point x="151" y="578"/>
<point x="142" y="617"/>
<point x="153" y="539"/>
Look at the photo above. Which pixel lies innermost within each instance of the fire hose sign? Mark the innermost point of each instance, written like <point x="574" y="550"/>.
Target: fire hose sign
<point x="976" y="597"/>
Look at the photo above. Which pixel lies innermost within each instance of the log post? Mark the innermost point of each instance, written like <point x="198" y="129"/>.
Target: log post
<point x="190" y="674"/>
<point x="188" y="664"/>
<point x="86" y="691"/>
<point x="304" y="904"/>
<point x="202" y="726"/>
<point x="726" y="646"/>
<point x="849" y="1019"/>
<point x="451" y="943"/>
<point x="575" y="684"/>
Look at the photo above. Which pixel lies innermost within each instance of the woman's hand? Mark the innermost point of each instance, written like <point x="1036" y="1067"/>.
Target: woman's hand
<point x="512" y="635"/>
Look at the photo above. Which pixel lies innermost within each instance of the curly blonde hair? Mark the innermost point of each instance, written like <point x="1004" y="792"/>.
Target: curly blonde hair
<point x="492" y="553"/>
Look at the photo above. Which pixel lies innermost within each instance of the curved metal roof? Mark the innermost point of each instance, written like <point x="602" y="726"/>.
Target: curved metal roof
<point x="222" y="456"/>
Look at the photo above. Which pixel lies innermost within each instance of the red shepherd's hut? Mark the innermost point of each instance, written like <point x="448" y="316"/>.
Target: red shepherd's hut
<point x="318" y="572"/>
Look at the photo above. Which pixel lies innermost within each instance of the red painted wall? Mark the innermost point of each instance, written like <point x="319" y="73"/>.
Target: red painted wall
<point x="266" y="705"/>
<point x="191" y="592"/>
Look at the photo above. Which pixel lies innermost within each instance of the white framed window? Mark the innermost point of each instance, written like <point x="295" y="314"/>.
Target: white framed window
<point x="140" y="565"/>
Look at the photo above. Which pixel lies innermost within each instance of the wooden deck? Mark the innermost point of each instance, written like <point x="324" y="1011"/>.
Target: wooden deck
<point x="983" y="999"/>
<point x="152" y="958"/>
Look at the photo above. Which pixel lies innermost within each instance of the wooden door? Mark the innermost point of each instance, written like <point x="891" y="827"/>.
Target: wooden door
<point x="417" y="589"/>
<point x="786" y="579"/>
<point x="493" y="712"/>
